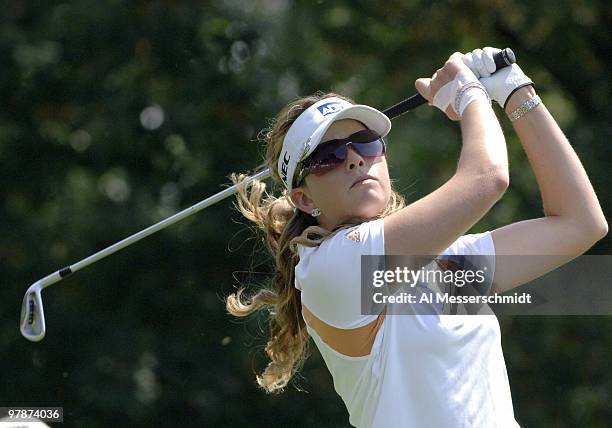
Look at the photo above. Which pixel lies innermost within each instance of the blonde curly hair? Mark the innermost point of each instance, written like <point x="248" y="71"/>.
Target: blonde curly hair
<point x="283" y="228"/>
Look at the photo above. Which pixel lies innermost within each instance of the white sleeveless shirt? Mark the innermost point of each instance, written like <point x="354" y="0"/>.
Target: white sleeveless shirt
<point x="435" y="371"/>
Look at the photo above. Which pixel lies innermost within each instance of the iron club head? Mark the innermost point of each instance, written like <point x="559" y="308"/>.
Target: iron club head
<point x="32" y="324"/>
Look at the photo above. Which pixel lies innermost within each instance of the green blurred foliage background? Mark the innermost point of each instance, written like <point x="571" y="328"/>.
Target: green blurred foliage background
<point x="115" y="115"/>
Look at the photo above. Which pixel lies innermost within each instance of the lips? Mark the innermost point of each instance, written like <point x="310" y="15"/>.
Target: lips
<point x="362" y="178"/>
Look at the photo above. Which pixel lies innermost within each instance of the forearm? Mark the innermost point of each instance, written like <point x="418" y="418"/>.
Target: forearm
<point x="564" y="185"/>
<point x="484" y="146"/>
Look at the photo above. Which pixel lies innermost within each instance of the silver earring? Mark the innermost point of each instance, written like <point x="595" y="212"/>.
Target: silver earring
<point x="315" y="212"/>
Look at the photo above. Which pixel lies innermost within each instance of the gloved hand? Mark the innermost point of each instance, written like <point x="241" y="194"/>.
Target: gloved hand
<point x="499" y="84"/>
<point x="452" y="87"/>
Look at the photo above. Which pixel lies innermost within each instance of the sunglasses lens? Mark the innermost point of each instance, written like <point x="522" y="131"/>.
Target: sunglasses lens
<point x="320" y="167"/>
<point x="371" y="149"/>
<point x="364" y="136"/>
<point x="330" y="154"/>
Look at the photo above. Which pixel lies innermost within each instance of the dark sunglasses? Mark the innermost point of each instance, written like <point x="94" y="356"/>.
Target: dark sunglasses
<point x="332" y="153"/>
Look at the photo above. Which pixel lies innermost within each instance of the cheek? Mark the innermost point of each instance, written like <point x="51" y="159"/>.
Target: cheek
<point x="382" y="173"/>
<point x="386" y="189"/>
<point x="324" y="188"/>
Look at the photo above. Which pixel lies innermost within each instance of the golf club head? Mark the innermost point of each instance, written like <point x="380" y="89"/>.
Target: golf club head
<point x="32" y="324"/>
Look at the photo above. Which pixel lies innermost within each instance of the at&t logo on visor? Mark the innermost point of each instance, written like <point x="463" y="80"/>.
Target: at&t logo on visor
<point x="329" y="108"/>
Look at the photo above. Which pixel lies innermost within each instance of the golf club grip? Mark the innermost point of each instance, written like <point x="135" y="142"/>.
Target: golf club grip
<point x="503" y="58"/>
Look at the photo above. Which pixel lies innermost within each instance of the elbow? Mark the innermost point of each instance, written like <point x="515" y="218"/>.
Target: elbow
<point x="596" y="225"/>
<point x="499" y="180"/>
<point x="502" y="181"/>
<point x="600" y="229"/>
<point x="594" y="231"/>
<point x="491" y="182"/>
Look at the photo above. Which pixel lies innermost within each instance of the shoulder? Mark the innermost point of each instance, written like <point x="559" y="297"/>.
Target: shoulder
<point x="366" y="238"/>
<point x="329" y="276"/>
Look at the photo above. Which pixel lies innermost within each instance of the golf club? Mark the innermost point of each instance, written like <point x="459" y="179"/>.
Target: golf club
<point x="32" y="323"/>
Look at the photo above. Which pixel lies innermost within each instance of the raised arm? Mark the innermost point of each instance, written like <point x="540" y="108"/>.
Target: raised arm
<point x="429" y="225"/>
<point x="573" y="219"/>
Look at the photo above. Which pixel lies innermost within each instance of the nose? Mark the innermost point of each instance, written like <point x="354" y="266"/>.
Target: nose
<point x="353" y="159"/>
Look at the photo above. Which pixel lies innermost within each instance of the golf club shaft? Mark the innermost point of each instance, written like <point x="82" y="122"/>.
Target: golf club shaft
<point x="62" y="273"/>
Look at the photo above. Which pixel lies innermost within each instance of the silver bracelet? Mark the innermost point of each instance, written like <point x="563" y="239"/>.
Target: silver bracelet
<point x="466" y="87"/>
<point x="525" y="108"/>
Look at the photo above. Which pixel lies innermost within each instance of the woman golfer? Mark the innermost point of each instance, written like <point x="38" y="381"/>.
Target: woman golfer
<point x="420" y="369"/>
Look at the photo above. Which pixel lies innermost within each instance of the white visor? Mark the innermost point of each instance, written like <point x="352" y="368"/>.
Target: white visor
<point x="308" y="129"/>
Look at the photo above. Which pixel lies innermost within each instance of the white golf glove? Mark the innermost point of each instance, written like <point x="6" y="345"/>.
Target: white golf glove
<point x="500" y="84"/>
